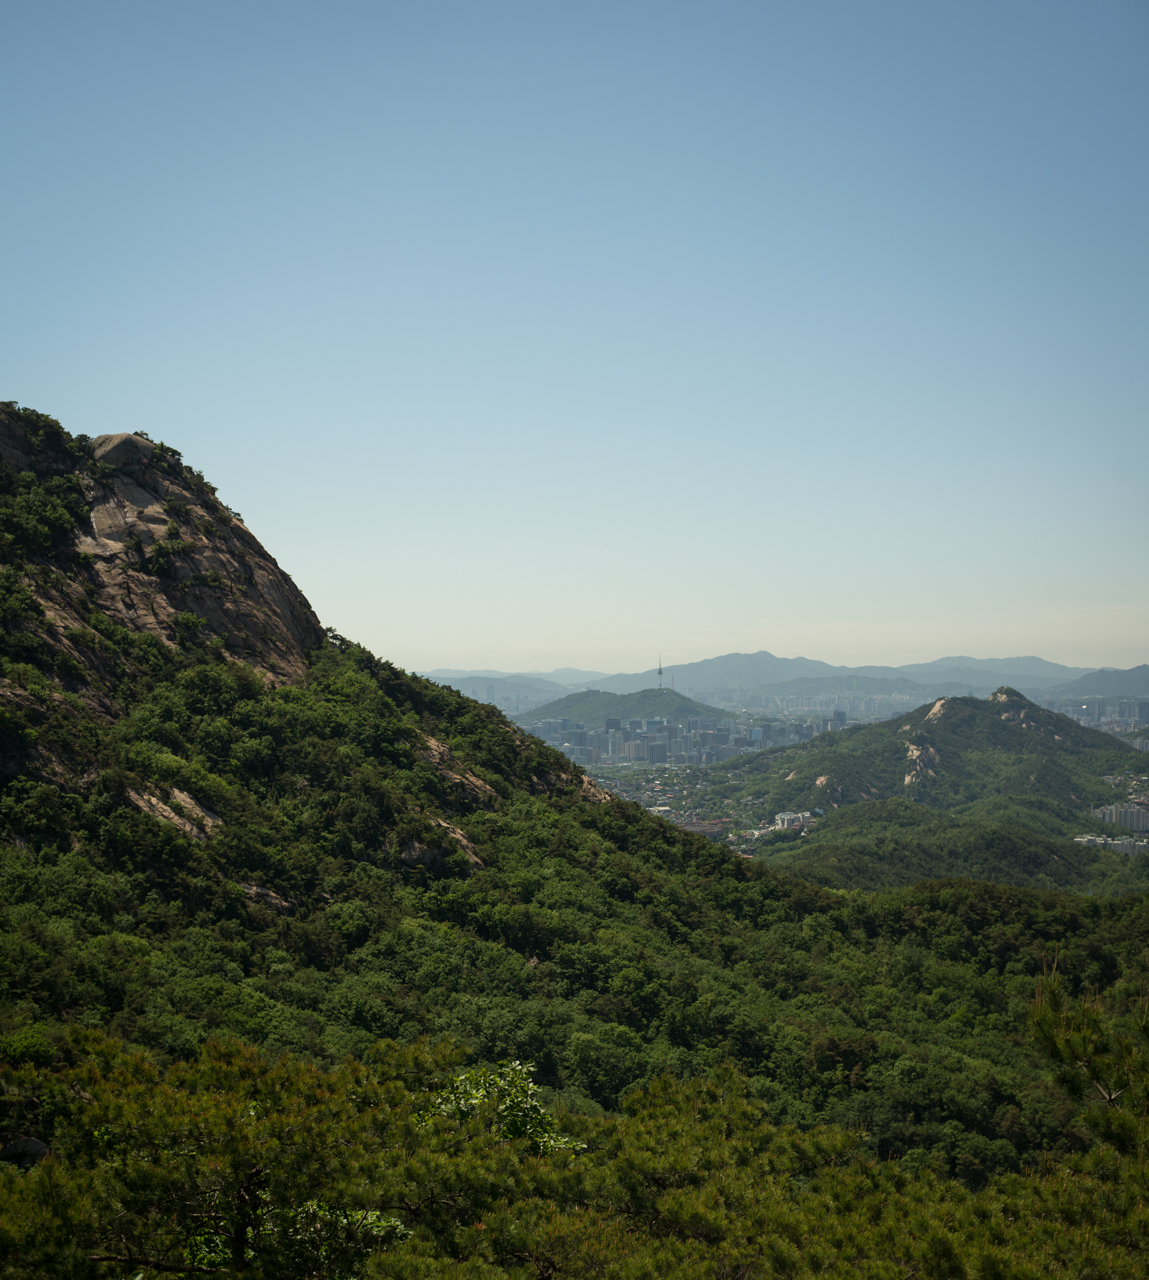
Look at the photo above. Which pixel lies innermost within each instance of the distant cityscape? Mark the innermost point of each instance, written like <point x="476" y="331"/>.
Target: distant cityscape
<point x="1114" y="715"/>
<point x="701" y="740"/>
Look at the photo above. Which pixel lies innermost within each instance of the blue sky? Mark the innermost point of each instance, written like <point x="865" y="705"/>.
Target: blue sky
<point x="530" y="335"/>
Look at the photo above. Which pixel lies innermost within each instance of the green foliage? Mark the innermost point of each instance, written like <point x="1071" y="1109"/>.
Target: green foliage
<point x="226" y="1160"/>
<point x="39" y="510"/>
<point x="243" y="1165"/>
<point x="1101" y="1054"/>
<point x="504" y="1092"/>
<point x="597" y="942"/>
<point x="18" y="609"/>
<point x="888" y="843"/>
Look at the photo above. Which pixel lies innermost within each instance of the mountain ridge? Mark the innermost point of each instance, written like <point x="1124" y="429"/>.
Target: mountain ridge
<point x="764" y="672"/>
<point x="1130" y="683"/>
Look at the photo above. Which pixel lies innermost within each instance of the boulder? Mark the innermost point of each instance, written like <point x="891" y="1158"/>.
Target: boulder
<point x="122" y="450"/>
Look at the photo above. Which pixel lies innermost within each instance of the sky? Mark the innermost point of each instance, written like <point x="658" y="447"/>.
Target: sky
<point x="528" y="335"/>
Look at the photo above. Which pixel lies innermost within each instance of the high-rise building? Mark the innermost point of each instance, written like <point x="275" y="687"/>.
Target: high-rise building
<point x="1124" y="816"/>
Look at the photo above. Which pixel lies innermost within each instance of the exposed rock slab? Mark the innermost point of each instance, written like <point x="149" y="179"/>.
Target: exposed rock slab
<point x="431" y="854"/>
<point x="189" y="816"/>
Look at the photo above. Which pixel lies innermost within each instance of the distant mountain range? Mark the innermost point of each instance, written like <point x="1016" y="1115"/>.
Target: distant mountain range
<point x="758" y="671"/>
<point x="564" y="676"/>
<point x="489" y="688"/>
<point x="1133" y="683"/>
<point x="764" y="672"/>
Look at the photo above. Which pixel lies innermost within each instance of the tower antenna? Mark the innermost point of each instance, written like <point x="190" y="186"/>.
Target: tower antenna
<point x="660" y="670"/>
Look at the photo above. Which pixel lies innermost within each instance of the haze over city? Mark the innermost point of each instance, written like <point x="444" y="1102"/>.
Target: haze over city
<point x="572" y="335"/>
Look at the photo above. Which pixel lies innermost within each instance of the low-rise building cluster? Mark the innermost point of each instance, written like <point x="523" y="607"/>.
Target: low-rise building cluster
<point x="1109" y="842"/>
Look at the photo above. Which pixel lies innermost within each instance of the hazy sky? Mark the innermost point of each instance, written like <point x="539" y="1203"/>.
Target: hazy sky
<point x="542" y="334"/>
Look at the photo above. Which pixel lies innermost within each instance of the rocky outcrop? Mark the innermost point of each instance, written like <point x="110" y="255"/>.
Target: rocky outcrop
<point x="923" y="762"/>
<point x="549" y="783"/>
<point x="182" y="812"/>
<point x="160" y="552"/>
<point x="433" y="853"/>
<point x="472" y="792"/>
<point x="164" y="546"/>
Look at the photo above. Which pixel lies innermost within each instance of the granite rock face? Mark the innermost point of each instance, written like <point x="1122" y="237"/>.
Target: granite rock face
<point x="160" y="550"/>
<point x="123" y="450"/>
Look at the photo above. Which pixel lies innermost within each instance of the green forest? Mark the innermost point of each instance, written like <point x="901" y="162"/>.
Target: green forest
<point x="344" y="975"/>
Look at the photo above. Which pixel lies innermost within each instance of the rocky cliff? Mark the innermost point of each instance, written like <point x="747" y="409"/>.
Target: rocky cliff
<point x="153" y="548"/>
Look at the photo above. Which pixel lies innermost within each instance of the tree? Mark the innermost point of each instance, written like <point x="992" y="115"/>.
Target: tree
<point x="1102" y="1060"/>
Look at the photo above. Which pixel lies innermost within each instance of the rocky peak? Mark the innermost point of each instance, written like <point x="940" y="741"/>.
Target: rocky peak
<point x="154" y="549"/>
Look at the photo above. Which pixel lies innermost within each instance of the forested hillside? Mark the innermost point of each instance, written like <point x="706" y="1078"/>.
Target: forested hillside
<point x="969" y="756"/>
<point x="988" y="789"/>
<point x="593" y="707"/>
<point x="273" y="912"/>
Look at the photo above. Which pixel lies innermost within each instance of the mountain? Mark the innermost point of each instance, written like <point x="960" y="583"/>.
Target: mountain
<point x="863" y="686"/>
<point x="1133" y="683"/>
<point x="571" y="675"/>
<point x="994" y="788"/>
<point x="732" y="670"/>
<point x="763" y="671"/>
<point x="113" y="555"/>
<point x="490" y="690"/>
<point x="955" y="752"/>
<point x="282" y="927"/>
<point x="1031" y="672"/>
<point x="495" y="686"/>
<point x="144" y="540"/>
<point x="562" y="676"/>
<point x="593" y="708"/>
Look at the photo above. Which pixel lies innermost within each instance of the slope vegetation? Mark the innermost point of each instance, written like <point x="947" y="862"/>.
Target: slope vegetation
<point x="254" y="924"/>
